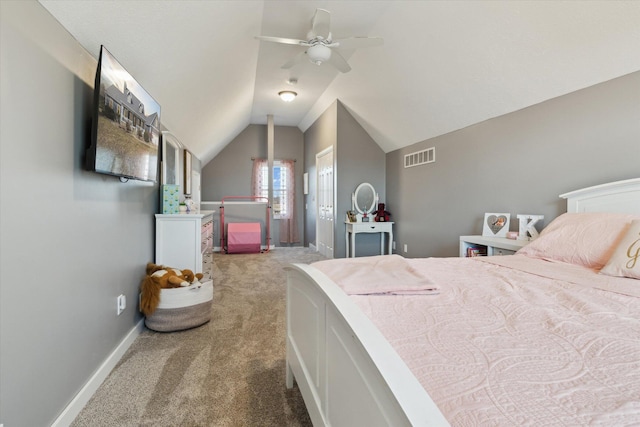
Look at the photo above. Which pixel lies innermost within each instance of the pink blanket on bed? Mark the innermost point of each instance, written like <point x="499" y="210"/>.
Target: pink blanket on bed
<point x="500" y="346"/>
<point x="383" y="274"/>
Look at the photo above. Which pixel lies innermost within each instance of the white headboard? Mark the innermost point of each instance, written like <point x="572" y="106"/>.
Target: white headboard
<point x="617" y="197"/>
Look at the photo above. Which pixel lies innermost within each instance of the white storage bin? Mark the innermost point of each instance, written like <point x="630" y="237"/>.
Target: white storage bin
<point x="182" y="308"/>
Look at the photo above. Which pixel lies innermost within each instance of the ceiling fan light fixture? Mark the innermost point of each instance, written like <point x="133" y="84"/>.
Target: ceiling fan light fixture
<point x="287" y="95"/>
<point x="319" y="53"/>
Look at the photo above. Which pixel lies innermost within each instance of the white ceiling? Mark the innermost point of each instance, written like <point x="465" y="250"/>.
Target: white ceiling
<point x="444" y="65"/>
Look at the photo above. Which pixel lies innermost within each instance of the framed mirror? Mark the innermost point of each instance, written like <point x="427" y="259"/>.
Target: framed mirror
<point x="365" y="199"/>
<point x="170" y="153"/>
<point x="187" y="173"/>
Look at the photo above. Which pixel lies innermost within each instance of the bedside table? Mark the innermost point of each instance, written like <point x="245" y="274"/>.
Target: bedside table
<point x="490" y="246"/>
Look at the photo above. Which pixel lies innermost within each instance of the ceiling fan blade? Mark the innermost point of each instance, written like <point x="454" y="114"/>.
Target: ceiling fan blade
<point x="321" y="24"/>
<point x="356" y="42"/>
<point x="283" y="40"/>
<point x="295" y="60"/>
<point x="339" y="62"/>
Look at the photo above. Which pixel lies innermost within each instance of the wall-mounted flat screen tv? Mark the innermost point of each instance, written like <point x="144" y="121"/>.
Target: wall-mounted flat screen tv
<point x="126" y="124"/>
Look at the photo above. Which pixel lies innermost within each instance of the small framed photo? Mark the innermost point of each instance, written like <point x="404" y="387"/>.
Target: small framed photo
<point x="352" y="216"/>
<point x="496" y="224"/>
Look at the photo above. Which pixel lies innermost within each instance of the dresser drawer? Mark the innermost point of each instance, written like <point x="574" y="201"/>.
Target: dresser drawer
<point x="372" y="227"/>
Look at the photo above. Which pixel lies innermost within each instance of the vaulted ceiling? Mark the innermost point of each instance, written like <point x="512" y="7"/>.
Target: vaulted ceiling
<point x="444" y="65"/>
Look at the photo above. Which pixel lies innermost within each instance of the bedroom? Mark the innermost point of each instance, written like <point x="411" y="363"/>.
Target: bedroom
<point x="77" y="224"/>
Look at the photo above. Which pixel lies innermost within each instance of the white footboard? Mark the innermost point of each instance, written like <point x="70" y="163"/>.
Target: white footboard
<point x="347" y="372"/>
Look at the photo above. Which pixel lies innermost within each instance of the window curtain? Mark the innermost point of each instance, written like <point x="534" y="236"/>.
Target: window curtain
<point x="288" y="222"/>
<point x="258" y="179"/>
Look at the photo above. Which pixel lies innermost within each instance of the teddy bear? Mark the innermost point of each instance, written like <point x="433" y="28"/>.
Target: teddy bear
<point x="381" y="214"/>
<point x="160" y="277"/>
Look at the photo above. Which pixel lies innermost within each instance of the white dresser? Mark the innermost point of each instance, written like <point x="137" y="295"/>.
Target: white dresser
<point x="182" y="239"/>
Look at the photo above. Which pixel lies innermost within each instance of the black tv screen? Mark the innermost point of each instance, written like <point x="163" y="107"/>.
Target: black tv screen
<point x="126" y="124"/>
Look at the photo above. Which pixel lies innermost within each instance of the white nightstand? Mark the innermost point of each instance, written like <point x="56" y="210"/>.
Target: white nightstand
<point x="490" y="246"/>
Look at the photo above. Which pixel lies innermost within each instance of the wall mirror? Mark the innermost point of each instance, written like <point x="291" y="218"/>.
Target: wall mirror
<point x="170" y="152"/>
<point x="187" y="173"/>
<point x="364" y="199"/>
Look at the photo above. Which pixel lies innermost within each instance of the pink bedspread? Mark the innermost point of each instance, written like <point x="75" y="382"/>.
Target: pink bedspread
<point x="500" y="346"/>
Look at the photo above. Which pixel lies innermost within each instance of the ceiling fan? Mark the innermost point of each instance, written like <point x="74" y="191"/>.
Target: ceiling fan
<point x="320" y="46"/>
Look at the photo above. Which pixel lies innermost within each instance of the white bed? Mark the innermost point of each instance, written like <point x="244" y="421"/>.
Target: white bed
<point x="350" y="374"/>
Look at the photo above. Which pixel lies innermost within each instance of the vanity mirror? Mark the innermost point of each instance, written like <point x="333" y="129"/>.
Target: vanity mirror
<point x="364" y="202"/>
<point x="365" y="199"/>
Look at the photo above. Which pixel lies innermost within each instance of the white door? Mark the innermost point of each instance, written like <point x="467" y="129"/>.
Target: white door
<point x="325" y="214"/>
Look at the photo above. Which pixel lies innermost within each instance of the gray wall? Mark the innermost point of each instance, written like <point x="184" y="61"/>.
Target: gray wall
<point x="72" y="240"/>
<point x="517" y="163"/>
<point x="357" y="159"/>
<point x="322" y="134"/>
<point x="229" y="174"/>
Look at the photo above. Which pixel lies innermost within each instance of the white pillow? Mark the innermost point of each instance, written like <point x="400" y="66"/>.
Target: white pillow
<point x="586" y="239"/>
<point x="625" y="261"/>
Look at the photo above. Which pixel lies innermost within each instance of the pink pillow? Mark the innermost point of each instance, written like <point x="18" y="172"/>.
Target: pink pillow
<point x="625" y="261"/>
<point x="586" y="239"/>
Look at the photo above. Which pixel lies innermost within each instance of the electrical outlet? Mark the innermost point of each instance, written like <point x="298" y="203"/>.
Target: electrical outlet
<point x="121" y="304"/>
<point x="405" y="248"/>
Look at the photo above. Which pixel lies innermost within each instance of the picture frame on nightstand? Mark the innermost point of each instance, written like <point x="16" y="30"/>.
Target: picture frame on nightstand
<point x="496" y="224"/>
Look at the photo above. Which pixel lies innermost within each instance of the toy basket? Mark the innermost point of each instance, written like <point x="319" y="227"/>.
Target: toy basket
<point x="182" y="308"/>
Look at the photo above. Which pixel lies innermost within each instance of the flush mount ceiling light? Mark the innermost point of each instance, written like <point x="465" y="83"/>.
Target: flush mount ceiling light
<point x="287" y="95"/>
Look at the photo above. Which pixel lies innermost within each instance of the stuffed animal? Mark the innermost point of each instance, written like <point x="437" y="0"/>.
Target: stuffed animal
<point x="381" y="214"/>
<point x="191" y="277"/>
<point x="159" y="277"/>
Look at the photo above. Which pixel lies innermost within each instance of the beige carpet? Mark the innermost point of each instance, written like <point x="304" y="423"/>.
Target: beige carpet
<point x="228" y="372"/>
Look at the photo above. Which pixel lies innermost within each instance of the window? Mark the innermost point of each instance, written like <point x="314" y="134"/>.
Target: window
<point x="281" y="186"/>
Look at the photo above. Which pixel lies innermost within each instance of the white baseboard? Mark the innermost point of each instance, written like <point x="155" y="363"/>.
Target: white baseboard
<point x="313" y="247"/>
<point x="75" y="406"/>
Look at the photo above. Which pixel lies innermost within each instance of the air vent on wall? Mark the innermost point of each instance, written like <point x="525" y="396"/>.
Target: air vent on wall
<point x="420" y="157"/>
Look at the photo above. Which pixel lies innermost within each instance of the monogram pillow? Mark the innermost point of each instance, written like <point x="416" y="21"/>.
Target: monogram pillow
<point x="587" y="238"/>
<point x="625" y="261"/>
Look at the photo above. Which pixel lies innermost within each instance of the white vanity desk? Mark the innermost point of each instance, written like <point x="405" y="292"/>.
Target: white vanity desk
<point x="363" y="204"/>
<point x="353" y="228"/>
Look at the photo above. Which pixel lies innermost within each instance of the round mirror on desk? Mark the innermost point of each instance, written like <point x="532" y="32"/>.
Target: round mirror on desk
<point x="365" y="199"/>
